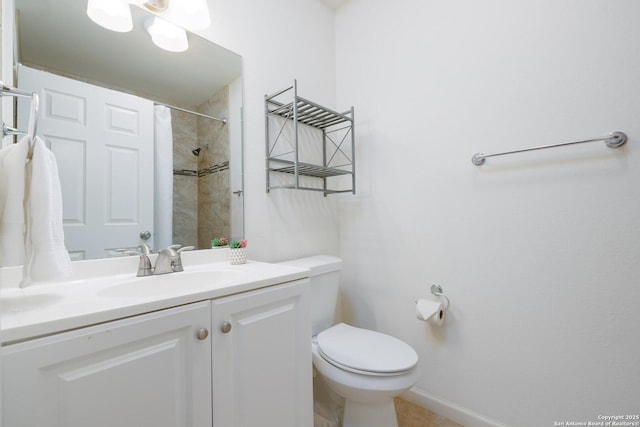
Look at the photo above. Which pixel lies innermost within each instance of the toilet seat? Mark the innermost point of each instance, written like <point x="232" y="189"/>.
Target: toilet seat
<point x="364" y="351"/>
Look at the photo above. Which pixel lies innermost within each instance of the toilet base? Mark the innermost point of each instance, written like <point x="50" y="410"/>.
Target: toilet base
<point x="380" y="414"/>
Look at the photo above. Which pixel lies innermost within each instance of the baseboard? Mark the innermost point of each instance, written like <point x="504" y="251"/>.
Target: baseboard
<point x="448" y="409"/>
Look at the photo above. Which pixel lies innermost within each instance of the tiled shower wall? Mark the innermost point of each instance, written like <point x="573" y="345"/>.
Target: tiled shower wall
<point x="214" y="188"/>
<point x="201" y="185"/>
<point x="185" y="178"/>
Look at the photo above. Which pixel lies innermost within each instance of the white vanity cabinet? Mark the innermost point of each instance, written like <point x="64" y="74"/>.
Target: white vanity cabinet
<point x="147" y="370"/>
<point x="239" y="359"/>
<point x="261" y="358"/>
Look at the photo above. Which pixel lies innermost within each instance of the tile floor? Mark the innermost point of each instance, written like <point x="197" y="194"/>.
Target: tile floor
<point x="410" y="415"/>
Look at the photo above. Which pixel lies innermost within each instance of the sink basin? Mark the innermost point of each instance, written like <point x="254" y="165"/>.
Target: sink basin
<point x="18" y="302"/>
<point x="167" y="284"/>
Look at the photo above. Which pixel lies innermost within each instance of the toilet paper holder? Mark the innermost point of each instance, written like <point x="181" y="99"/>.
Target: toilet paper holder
<point x="437" y="291"/>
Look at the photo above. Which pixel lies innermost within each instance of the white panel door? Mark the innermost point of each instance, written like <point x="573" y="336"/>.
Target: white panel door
<point x="151" y="370"/>
<point x="262" y="358"/>
<point x="103" y="143"/>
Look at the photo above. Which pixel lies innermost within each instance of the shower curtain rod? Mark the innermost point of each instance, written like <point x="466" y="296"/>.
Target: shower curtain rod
<point x="184" y="110"/>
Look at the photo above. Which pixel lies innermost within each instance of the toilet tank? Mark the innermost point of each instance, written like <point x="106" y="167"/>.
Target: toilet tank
<point x="324" y="274"/>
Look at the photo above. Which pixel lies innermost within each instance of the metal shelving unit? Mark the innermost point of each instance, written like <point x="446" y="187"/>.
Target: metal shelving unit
<point x="338" y="145"/>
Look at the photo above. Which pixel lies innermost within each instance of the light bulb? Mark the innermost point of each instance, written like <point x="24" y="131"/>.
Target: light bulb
<point x="113" y="15"/>
<point x="167" y="35"/>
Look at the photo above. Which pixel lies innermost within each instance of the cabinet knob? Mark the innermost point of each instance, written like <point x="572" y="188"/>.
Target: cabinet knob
<point x="226" y="327"/>
<point x="202" y="334"/>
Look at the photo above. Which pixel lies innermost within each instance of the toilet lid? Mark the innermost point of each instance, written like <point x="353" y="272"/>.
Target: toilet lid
<point x="365" y="350"/>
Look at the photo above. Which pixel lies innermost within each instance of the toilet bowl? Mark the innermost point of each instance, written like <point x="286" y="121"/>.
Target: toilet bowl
<point x="367" y="368"/>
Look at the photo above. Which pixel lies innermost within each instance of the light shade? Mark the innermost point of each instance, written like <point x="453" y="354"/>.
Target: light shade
<point x="167" y="35"/>
<point x="190" y="14"/>
<point x="113" y="15"/>
<point x="196" y="14"/>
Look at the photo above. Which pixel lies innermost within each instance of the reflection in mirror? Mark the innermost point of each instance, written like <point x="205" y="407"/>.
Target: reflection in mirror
<point x="104" y="115"/>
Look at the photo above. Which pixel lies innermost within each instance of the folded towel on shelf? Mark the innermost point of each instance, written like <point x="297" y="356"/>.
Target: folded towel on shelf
<point x="12" y="184"/>
<point x="46" y="257"/>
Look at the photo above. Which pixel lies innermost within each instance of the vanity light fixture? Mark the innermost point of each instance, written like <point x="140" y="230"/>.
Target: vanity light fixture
<point x="113" y="15"/>
<point x="166" y="35"/>
<point x="155" y="5"/>
<point x="190" y="14"/>
<point x="167" y="32"/>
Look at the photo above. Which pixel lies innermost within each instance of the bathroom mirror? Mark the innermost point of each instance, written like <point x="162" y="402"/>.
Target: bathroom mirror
<point x="56" y="38"/>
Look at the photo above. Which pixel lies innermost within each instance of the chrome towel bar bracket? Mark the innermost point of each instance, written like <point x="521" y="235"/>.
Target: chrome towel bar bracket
<point x="6" y="90"/>
<point x="614" y="140"/>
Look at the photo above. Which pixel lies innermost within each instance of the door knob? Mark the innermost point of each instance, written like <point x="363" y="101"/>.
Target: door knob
<point x="226" y="327"/>
<point x="145" y="235"/>
<point x="202" y="334"/>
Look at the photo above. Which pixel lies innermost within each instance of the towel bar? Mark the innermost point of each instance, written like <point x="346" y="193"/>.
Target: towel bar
<point x="6" y="90"/>
<point x="615" y="140"/>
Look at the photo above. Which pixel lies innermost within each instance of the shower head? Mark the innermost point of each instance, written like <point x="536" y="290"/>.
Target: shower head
<point x="196" y="152"/>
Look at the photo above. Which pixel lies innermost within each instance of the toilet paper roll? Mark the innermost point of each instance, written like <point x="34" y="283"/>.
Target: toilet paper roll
<point x="430" y="311"/>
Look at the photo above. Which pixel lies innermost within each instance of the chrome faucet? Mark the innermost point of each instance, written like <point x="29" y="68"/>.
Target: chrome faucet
<point x="169" y="260"/>
<point x="144" y="266"/>
<point x="145" y="249"/>
<point x="178" y="264"/>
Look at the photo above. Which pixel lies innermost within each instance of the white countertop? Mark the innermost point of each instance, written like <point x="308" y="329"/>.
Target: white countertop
<point x="98" y="292"/>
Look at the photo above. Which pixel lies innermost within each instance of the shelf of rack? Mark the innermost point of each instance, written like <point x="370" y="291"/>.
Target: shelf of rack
<point x="337" y="133"/>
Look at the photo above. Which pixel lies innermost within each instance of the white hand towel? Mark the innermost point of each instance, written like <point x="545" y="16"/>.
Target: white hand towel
<point x="12" y="185"/>
<point x="46" y="257"/>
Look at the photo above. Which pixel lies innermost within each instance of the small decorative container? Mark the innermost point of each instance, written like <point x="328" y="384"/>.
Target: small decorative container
<point x="237" y="256"/>
<point x="219" y="243"/>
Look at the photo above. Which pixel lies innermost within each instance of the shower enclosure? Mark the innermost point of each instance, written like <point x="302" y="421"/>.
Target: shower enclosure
<point x="202" y="177"/>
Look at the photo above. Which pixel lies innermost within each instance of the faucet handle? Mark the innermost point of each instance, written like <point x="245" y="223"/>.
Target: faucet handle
<point x="145" y="249"/>
<point x="171" y="249"/>
<point x="177" y="264"/>
<point x="144" y="266"/>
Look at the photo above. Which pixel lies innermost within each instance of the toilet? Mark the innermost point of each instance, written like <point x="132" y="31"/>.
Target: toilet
<point x="367" y="368"/>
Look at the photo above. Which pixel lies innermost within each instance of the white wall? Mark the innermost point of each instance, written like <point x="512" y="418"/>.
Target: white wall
<point x="280" y="41"/>
<point x="538" y="252"/>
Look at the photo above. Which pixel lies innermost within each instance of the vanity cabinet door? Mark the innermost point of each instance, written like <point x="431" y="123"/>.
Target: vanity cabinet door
<point x="262" y="358"/>
<point x="148" y="370"/>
